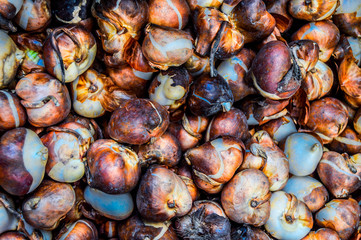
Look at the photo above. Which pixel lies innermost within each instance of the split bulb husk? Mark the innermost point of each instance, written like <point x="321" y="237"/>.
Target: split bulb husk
<point x="13" y="114"/>
<point x="34" y="15"/>
<point x="314" y="10"/>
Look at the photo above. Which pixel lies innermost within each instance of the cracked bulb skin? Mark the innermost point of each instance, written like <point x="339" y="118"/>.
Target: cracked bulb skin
<point x="13" y="114"/>
<point x="136" y="121"/>
<point x="22" y="161"/>
<point x="162" y="195"/>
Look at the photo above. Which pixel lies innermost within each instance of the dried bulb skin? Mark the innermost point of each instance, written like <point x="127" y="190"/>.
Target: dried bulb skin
<point x="347" y="18"/>
<point x="8" y="221"/>
<point x="308" y="190"/>
<point x="357" y="234"/>
<point x="9" y="8"/>
<point x="341" y="215"/>
<point x="130" y="80"/>
<point x="137" y="121"/>
<point x="306" y="53"/>
<point x="166" y="47"/>
<point x="22" y="161"/>
<point x="184" y="171"/>
<point x="170" y="88"/>
<point x="81" y="229"/>
<point x="46" y="100"/>
<point x="279" y="129"/>
<point x="318" y="81"/>
<point x="13" y="236"/>
<point x="348" y="141"/>
<point x="113" y="168"/>
<point x="197" y="65"/>
<point x="162" y="195"/>
<point x="275" y="72"/>
<point x="252" y="20"/>
<point x="324" y="33"/>
<point x="357" y="121"/>
<point x="134" y="228"/>
<point x="209" y="95"/>
<point x="32" y="45"/>
<point x="247" y="232"/>
<point x="245" y="199"/>
<point x="193" y="4"/>
<point x="234" y="70"/>
<point x="341" y="174"/>
<point x="314" y="10"/>
<point x="289" y="218"/>
<point x="189" y="130"/>
<point x="68" y="52"/>
<point x="73" y="11"/>
<point x="109" y="229"/>
<point x="214" y="163"/>
<point x="112" y="206"/>
<point x="304" y="152"/>
<point x="10" y="57"/>
<point x="162" y="150"/>
<point x="13" y="114"/>
<point x="94" y="93"/>
<point x="206" y="220"/>
<point x="278" y="9"/>
<point x="67" y="145"/>
<point x="169" y="13"/>
<point x="34" y="15"/>
<point x="322" y="233"/>
<point x="331" y="121"/>
<point x="266" y="156"/>
<point x="49" y="204"/>
<point x="232" y="123"/>
<point x="207" y="24"/>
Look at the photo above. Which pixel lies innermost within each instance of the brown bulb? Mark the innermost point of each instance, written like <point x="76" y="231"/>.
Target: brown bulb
<point x="13" y="114"/>
<point x="34" y="15"/>
<point x="314" y="10"/>
<point x="322" y="233"/>
<point x="348" y="141"/>
<point x="81" y="229"/>
<point x="169" y="13"/>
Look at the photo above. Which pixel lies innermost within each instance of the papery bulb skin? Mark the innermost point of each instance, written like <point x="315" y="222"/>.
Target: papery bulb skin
<point x="278" y="9"/>
<point x="169" y="13"/>
<point x="94" y="93"/>
<point x="341" y="174"/>
<point x="262" y="153"/>
<point x="322" y="233"/>
<point x="248" y="232"/>
<point x="206" y="220"/>
<point x="166" y="47"/>
<point x="209" y="95"/>
<point x="170" y="88"/>
<point x="162" y="150"/>
<point x="112" y="206"/>
<point x="331" y="121"/>
<point x="68" y="52"/>
<point x="324" y="33"/>
<point x="252" y="20"/>
<point x="184" y="171"/>
<point x="67" y="145"/>
<point x="46" y="207"/>
<point x="113" y="168"/>
<point x="46" y="100"/>
<point x="315" y="10"/>
<point x="289" y="218"/>
<point x="89" y="124"/>
<point x="308" y="190"/>
<point x="13" y="114"/>
<point x="234" y="70"/>
<point x="136" y="228"/>
<point x="341" y="215"/>
<point x="189" y="131"/>
<point x="137" y="121"/>
<point x="245" y="199"/>
<point x="347" y="17"/>
<point x="162" y="195"/>
<point x="197" y="65"/>
<point x="13" y="236"/>
<point x="318" y="81"/>
<point x="348" y="141"/>
<point x="22" y="161"/>
<point x="306" y="53"/>
<point x="81" y="229"/>
<point x="130" y="80"/>
<point x="71" y="12"/>
<point x="214" y="163"/>
<point x="279" y="129"/>
<point x="9" y="9"/>
<point x="357" y="121"/>
<point x="232" y="123"/>
<point x="8" y="220"/>
<point x="193" y="4"/>
<point x="34" y="15"/>
<point x="109" y="229"/>
<point x="304" y="152"/>
<point x="11" y="57"/>
<point x="32" y="46"/>
<point x="275" y="73"/>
